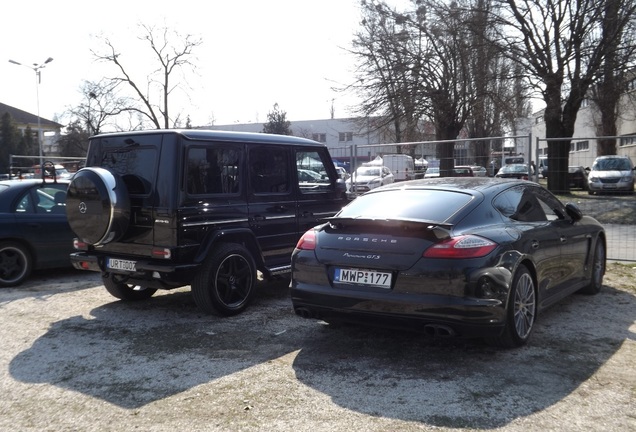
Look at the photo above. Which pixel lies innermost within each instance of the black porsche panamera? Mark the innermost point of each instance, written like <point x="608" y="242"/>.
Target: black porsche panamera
<point x="470" y="257"/>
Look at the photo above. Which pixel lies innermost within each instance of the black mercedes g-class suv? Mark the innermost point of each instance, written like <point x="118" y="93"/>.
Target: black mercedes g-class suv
<point x="163" y="209"/>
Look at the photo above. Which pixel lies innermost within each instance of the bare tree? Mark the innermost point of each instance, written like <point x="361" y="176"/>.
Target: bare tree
<point x="100" y="106"/>
<point x="617" y="69"/>
<point x="172" y="52"/>
<point x="435" y="62"/>
<point x="562" y="45"/>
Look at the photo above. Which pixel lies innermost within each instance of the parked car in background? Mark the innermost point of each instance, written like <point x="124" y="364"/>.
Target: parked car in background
<point x="470" y="257"/>
<point x="479" y="171"/>
<point x="342" y="173"/>
<point x="517" y="171"/>
<point x="310" y="176"/>
<point x="34" y="232"/>
<point x="577" y="176"/>
<point x="611" y="174"/>
<point x="52" y="171"/>
<point x="431" y="172"/>
<point x="463" y="171"/>
<point x="366" y="178"/>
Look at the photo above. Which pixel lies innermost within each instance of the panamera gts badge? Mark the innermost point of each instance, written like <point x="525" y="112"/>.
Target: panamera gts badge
<point x="82" y="207"/>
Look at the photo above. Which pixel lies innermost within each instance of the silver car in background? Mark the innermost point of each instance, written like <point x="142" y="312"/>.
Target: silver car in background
<point x="611" y="174"/>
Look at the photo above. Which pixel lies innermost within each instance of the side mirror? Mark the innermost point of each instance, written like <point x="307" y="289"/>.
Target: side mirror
<point x="573" y="212"/>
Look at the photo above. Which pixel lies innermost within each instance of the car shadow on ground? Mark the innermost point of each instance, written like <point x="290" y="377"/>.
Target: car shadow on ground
<point x="45" y="283"/>
<point x="462" y="383"/>
<point x="132" y="354"/>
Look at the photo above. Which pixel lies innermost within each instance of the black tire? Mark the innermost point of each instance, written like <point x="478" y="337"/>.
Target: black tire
<point x="16" y="264"/>
<point x="226" y="281"/>
<point x="521" y="312"/>
<point x="118" y="288"/>
<point x="98" y="206"/>
<point x="598" y="270"/>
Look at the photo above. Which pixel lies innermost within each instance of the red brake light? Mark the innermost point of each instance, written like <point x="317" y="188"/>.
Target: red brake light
<point x="307" y="241"/>
<point x="468" y="246"/>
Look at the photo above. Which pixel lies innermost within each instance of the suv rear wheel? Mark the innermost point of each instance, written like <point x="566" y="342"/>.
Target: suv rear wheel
<point x="226" y="282"/>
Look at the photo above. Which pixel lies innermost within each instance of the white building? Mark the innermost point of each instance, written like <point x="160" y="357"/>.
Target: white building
<point x="583" y="145"/>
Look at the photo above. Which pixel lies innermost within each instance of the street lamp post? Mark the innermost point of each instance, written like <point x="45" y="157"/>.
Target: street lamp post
<point x="38" y="78"/>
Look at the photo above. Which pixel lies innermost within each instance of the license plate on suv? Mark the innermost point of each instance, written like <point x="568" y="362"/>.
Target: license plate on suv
<point x="363" y="277"/>
<point x="119" y="264"/>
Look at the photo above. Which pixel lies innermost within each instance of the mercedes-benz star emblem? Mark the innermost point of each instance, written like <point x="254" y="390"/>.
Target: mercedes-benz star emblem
<point x="82" y="207"/>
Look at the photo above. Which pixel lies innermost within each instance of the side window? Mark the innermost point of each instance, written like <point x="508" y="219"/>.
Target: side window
<point x="521" y="204"/>
<point x="213" y="169"/>
<point x="313" y="175"/>
<point x="552" y="207"/>
<point x="42" y="200"/>
<point x="269" y="170"/>
<point x="25" y="205"/>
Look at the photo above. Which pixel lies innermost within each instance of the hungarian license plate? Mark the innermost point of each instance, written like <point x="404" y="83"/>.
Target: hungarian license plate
<point x="119" y="264"/>
<point x="363" y="277"/>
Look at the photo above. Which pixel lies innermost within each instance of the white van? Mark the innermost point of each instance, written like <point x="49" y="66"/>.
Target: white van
<point x="402" y="166"/>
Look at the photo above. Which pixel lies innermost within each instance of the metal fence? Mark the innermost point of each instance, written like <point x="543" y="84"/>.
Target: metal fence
<point x="616" y="212"/>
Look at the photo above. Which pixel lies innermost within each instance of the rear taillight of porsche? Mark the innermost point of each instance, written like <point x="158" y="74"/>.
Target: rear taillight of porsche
<point x="467" y="246"/>
<point x="307" y="241"/>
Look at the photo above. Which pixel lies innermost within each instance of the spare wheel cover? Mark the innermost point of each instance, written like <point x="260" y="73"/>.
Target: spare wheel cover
<point x="97" y="206"/>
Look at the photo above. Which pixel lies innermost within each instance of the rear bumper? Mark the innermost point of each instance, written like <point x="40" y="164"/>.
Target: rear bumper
<point x="466" y="317"/>
<point x="145" y="270"/>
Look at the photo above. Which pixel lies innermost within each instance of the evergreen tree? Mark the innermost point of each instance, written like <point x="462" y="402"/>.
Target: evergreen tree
<point x="9" y="141"/>
<point x="75" y="141"/>
<point x="277" y="122"/>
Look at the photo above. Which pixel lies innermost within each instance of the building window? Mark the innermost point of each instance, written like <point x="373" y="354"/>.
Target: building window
<point x="627" y="140"/>
<point x="631" y="85"/>
<point x="582" y="145"/>
<point x="320" y="137"/>
<point x="345" y="136"/>
<point x="539" y="120"/>
<point x="572" y="147"/>
<point x="585" y="103"/>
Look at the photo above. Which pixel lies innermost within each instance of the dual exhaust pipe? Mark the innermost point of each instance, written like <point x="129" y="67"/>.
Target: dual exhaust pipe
<point x="432" y="330"/>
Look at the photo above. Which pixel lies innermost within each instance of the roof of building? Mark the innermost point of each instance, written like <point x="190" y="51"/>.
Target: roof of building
<point x="23" y="117"/>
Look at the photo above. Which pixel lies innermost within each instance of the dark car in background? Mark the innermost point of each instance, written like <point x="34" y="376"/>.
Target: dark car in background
<point x="517" y="171"/>
<point x="463" y="171"/>
<point x="577" y="176"/>
<point x="34" y="232"/>
<point x="470" y="257"/>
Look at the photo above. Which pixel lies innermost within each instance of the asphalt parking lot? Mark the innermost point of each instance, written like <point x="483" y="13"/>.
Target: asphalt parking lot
<point x="74" y="359"/>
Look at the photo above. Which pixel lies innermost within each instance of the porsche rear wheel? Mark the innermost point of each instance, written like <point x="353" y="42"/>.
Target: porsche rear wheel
<point x="598" y="269"/>
<point x="521" y="311"/>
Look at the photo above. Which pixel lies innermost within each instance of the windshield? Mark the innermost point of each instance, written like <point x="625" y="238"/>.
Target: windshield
<point x="368" y="171"/>
<point x="514" y="168"/>
<point x="421" y="204"/>
<point x="611" y="164"/>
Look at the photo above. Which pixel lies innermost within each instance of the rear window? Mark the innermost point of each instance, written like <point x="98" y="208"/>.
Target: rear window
<point x="133" y="158"/>
<point x="427" y="204"/>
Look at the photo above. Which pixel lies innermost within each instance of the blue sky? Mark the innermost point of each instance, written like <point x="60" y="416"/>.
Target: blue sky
<point x="254" y="54"/>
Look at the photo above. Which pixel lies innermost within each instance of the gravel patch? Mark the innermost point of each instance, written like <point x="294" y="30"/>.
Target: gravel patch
<point x="75" y="359"/>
